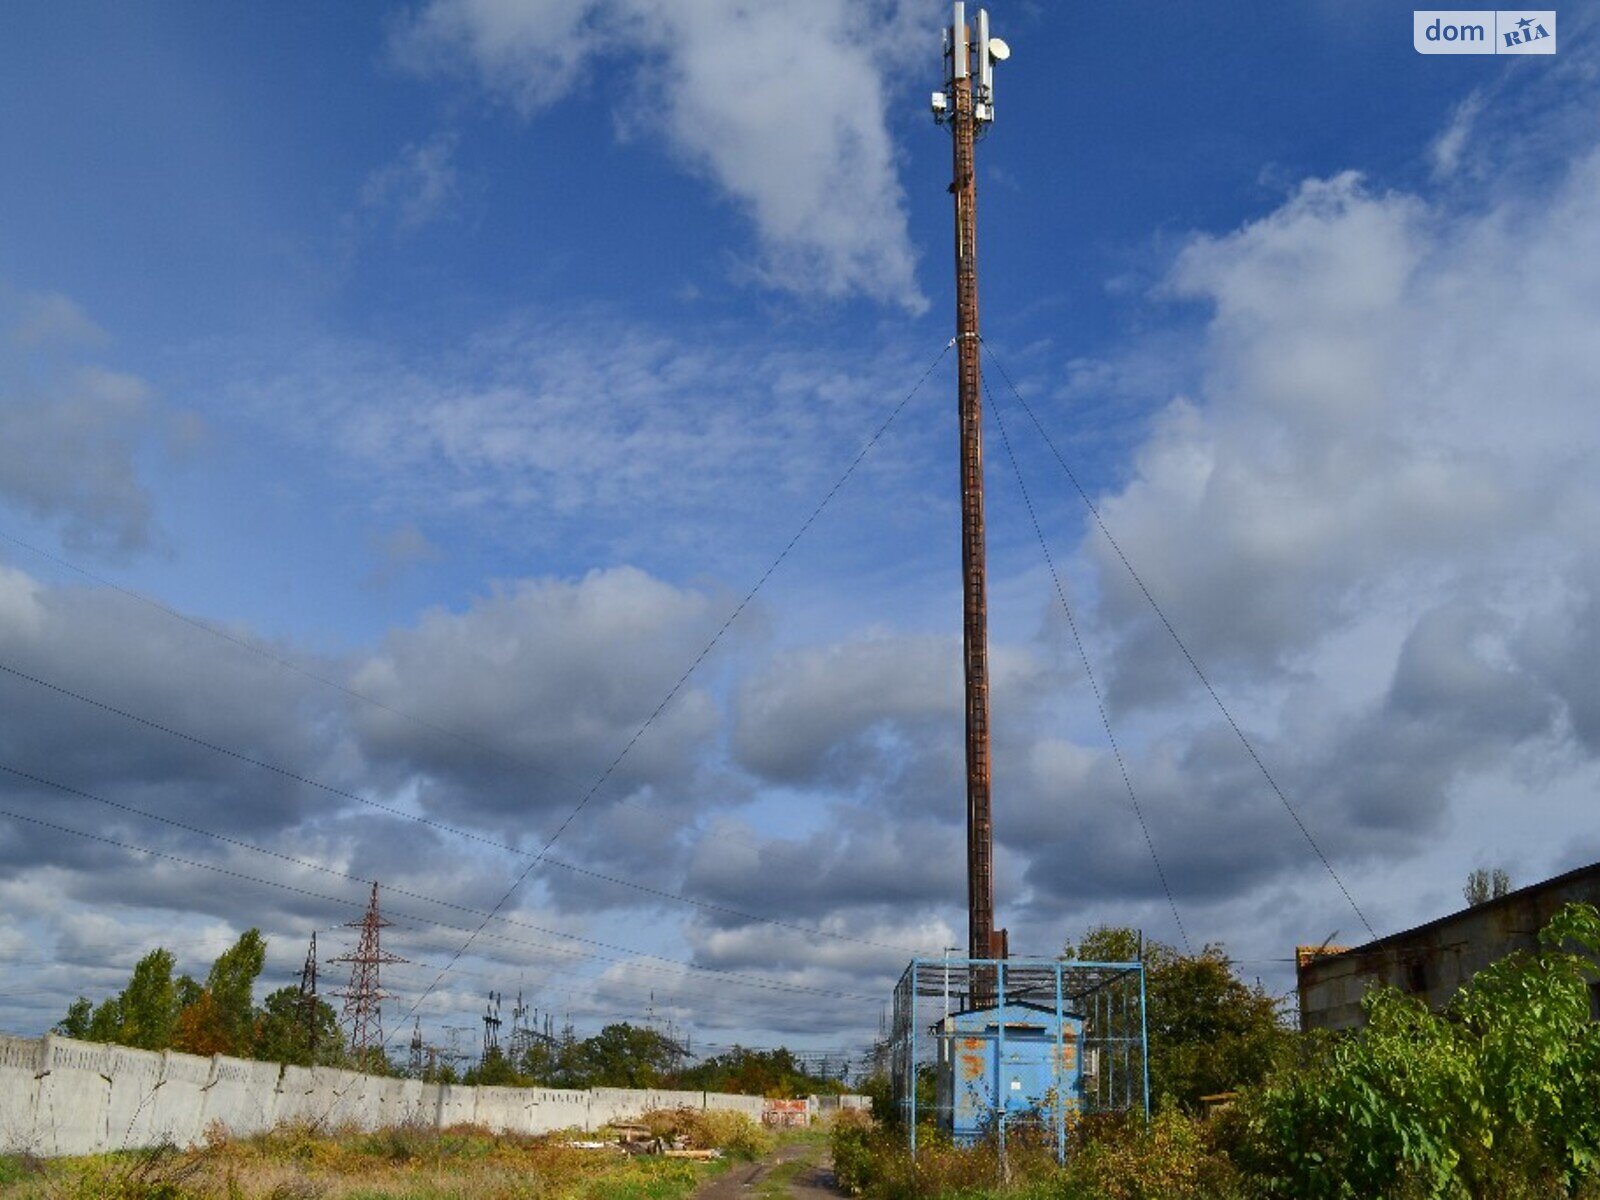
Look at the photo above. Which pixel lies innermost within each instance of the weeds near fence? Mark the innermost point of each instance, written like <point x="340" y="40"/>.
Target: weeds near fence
<point x="301" y="1162"/>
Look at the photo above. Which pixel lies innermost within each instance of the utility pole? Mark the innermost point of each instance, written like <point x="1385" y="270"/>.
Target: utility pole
<point x="967" y="107"/>
<point x="363" y="999"/>
<point x="415" y="1067"/>
<point x="491" y="1029"/>
<point x="307" y="1003"/>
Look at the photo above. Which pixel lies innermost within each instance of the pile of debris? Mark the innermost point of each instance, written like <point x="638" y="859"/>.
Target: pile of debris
<point x="642" y="1139"/>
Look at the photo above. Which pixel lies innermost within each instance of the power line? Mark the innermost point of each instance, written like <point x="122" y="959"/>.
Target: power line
<point x="731" y="976"/>
<point x="783" y="554"/>
<point x="1249" y="747"/>
<point x="251" y="647"/>
<point x="402" y="814"/>
<point x="1088" y="671"/>
<point x="422" y="722"/>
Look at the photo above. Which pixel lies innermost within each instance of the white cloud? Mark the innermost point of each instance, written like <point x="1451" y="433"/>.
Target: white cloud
<point x="1373" y="520"/>
<point x="567" y="426"/>
<point x="418" y="186"/>
<point x="783" y="107"/>
<point x="552" y="678"/>
<point x="72" y="429"/>
<point x="1448" y="150"/>
<point x="50" y="317"/>
<point x="528" y="52"/>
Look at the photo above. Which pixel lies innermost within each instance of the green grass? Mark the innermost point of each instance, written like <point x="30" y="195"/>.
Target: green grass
<point x="651" y="1179"/>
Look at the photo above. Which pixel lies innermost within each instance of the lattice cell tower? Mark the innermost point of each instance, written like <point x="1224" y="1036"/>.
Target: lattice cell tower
<point x="363" y="999"/>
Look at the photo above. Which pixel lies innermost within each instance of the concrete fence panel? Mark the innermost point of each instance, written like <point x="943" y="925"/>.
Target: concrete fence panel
<point x="297" y="1089"/>
<point x="457" y="1105"/>
<point x="136" y="1084"/>
<point x="669" y="1099"/>
<point x="21" y="1062"/>
<point x="242" y="1096"/>
<point x="609" y="1105"/>
<point x="177" y="1110"/>
<point x="751" y="1106"/>
<point x="74" y="1088"/>
<point x="559" y="1108"/>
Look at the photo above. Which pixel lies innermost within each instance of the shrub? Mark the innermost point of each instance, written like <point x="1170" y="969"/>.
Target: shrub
<point x="1496" y="1097"/>
<point x="1123" y="1158"/>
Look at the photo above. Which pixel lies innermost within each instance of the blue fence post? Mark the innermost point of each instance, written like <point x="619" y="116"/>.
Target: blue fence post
<point x="1001" y="1095"/>
<point x="1061" y="1092"/>
<point x="1144" y="1042"/>
<point x="911" y="1058"/>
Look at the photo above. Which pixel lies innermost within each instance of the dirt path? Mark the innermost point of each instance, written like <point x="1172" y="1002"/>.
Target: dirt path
<point x="795" y="1171"/>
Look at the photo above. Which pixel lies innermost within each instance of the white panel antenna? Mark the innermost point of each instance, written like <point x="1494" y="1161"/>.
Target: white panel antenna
<point x="958" y="40"/>
<point x="985" y="67"/>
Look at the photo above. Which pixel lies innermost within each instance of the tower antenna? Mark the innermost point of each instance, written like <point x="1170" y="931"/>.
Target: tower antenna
<point x="967" y="107"/>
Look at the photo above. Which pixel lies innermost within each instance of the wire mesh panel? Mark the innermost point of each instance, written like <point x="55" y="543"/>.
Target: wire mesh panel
<point x="981" y="1048"/>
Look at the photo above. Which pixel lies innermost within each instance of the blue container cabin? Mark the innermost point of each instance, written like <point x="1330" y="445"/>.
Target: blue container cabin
<point x="1006" y="1063"/>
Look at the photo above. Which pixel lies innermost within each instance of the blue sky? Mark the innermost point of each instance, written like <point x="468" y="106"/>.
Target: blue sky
<point x="478" y="356"/>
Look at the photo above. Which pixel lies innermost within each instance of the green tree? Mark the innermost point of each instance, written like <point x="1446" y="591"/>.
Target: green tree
<point x="755" y="1073"/>
<point x="188" y="989"/>
<point x="105" y="1023"/>
<point x="1209" y="1031"/>
<point x="623" y="1055"/>
<point x="496" y="1070"/>
<point x="149" y="1003"/>
<point x="231" y="986"/>
<point x="282" y="1035"/>
<point x="76" y="1023"/>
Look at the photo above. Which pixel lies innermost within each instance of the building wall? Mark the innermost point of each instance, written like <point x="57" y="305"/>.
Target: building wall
<point x="64" y="1097"/>
<point x="1434" y="960"/>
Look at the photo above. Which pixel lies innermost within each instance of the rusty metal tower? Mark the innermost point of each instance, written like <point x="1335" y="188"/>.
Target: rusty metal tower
<point x="306" y="1006"/>
<point x="363" y="999"/>
<point x="967" y="107"/>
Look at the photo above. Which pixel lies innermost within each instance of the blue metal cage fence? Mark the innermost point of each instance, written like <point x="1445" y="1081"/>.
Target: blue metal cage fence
<point x="996" y="1044"/>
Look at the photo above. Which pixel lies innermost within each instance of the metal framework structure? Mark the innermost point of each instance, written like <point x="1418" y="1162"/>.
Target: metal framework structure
<point x="363" y="999"/>
<point x="491" y="1028"/>
<point x="1090" y="1058"/>
<point x="306" y="1004"/>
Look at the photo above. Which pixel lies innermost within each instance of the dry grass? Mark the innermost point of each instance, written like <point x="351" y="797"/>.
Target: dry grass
<point x="298" y="1163"/>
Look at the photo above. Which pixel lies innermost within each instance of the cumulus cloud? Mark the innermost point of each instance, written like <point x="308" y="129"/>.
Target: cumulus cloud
<point x="783" y="108"/>
<point x="1383" y="387"/>
<point x="72" y="427"/>
<point x="519" y="670"/>
<point x="552" y="679"/>
<point x="1371" y="519"/>
<point x="94" y="643"/>
<point x="879" y="715"/>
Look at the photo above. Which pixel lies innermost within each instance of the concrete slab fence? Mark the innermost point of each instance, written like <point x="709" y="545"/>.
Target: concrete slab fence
<point x="65" y="1097"/>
